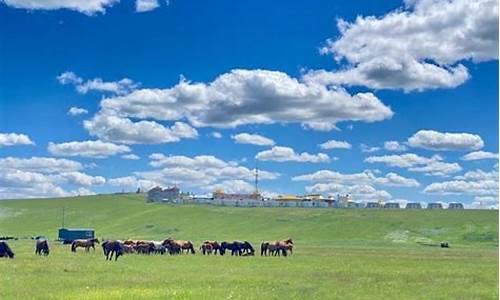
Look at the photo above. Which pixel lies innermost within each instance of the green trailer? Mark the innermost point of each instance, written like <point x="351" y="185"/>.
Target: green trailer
<point x="68" y="235"/>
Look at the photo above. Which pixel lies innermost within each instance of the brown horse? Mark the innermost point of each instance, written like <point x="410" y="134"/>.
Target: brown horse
<point x="182" y="245"/>
<point x="144" y="248"/>
<point x="5" y="250"/>
<point x="87" y="244"/>
<point x="42" y="247"/>
<point x="111" y="247"/>
<point x="277" y="247"/>
<point x="209" y="247"/>
<point x="128" y="248"/>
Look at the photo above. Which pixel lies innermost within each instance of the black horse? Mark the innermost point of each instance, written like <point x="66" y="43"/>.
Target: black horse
<point x="42" y="247"/>
<point x="5" y="250"/>
<point x="111" y="247"/>
<point x="237" y="248"/>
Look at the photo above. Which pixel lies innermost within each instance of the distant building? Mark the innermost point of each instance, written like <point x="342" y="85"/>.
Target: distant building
<point x="289" y="198"/>
<point x="353" y="204"/>
<point x="434" y="205"/>
<point x="221" y="195"/>
<point x="455" y="205"/>
<point x="372" y="205"/>
<point x="391" y="205"/>
<point x="343" y="200"/>
<point x="413" y="205"/>
<point x="157" y="194"/>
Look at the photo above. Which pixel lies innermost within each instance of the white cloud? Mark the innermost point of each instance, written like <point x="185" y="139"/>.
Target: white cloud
<point x="11" y="139"/>
<point x="198" y="171"/>
<point x="441" y="141"/>
<point x="484" y="202"/>
<point x="97" y="149"/>
<point x="415" y="48"/>
<point x="232" y="186"/>
<point x="121" y="87"/>
<point x="253" y="139"/>
<point x="39" y="178"/>
<point x="478" y="155"/>
<point x="367" y="149"/>
<point x="282" y="154"/>
<point x="366" y="177"/>
<point x="475" y="183"/>
<point x="333" y="144"/>
<point x="131" y="157"/>
<point x="132" y="182"/>
<point x="406" y="160"/>
<point x="75" y="111"/>
<point x="40" y="164"/>
<point x="123" y="130"/>
<point x="146" y="5"/>
<point x="359" y="192"/>
<point x="438" y="168"/>
<point x="394" y="146"/>
<point x="216" y="135"/>
<point x="243" y="97"/>
<point x="78" y="178"/>
<point x="415" y="163"/>
<point x="88" y="7"/>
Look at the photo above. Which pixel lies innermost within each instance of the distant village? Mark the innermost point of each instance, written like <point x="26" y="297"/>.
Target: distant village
<point x="255" y="199"/>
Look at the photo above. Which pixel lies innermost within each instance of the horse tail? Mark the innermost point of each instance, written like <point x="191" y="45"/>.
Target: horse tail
<point x="192" y="248"/>
<point x="73" y="246"/>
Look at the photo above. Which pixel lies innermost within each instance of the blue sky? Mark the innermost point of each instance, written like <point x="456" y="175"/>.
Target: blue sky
<point x="213" y="88"/>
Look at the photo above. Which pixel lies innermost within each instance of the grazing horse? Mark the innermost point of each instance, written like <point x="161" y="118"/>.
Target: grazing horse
<point x="5" y="250"/>
<point x="128" y="248"/>
<point x="183" y="245"/>
<point x="237" y="248"/>
<point x="276" y="248"/>
<point x="213" y="245"/>
<point x="87" y="244"/>
<point x="111" y="247"/>
<point x="42" y="247"/>
<point x="145" y="248"/>
<point x="206" y="249"/>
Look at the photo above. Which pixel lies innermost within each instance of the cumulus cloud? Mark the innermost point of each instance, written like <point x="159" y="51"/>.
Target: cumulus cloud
<point x="39" y="177"/>
<point x="96" y="149"/>
<point x="403" y="160"/>
<point x="366" y="177"/>
<point x="478" y="155"/>
<point x="243" y="97"/>
<point x="122" y="130"/>
<point x="475" y="183"/>
<point x="394" y="146"/>
<point x="441" y="141"/>
<point x="79" y="178"/>
<point x="198" y="171"/>
<point x="40" y="164"/>
<point x="146" y="5"/>
<point x="121" y="87"/>
<point x="333" y="144"/>
<point x="415" y="163"/>
<point x="232" y="186"/>
<point x="132" y="182"/>
<point x="216" y="135"/>
<point x="253" y="139"/>
<point x="418" y="47"/>
<point x="359" y="192"/>
<point x="131" y="157"/>
<point x="283" y="154"/>
<point x="88" y="7"/>
<point x="75" y="111"/>
<point x="367" y="149"/>
<point x="11" y="139"/>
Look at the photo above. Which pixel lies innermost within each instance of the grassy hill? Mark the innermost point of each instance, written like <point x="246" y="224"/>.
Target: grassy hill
<point x="343" y="254"/>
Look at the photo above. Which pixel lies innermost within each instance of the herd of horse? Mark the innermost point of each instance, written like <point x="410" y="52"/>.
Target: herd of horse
<point x="117" y="248"/>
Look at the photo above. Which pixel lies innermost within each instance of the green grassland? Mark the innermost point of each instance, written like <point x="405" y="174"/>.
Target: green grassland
<point x="339" y="253"/>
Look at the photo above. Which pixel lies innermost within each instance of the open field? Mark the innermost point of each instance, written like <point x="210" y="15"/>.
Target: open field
<point x="340" y="254"/>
